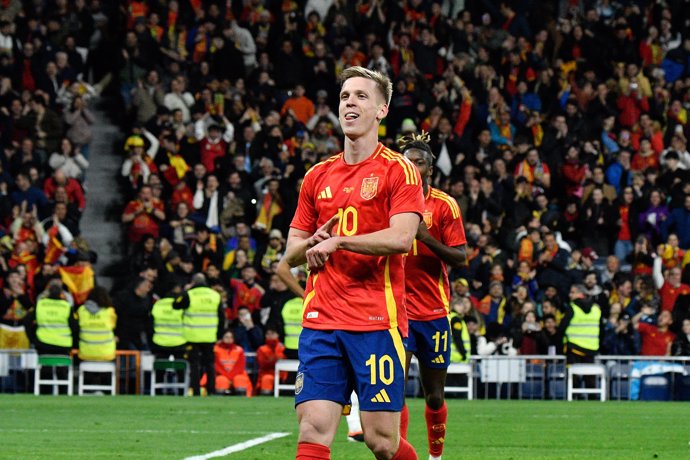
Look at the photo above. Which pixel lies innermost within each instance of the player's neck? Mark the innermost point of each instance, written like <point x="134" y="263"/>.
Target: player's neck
<point x="359" y="149"/>
<point x="426" y="188"/>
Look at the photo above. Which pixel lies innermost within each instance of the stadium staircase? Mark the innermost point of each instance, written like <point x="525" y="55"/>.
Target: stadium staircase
<point x="100" y="224"/>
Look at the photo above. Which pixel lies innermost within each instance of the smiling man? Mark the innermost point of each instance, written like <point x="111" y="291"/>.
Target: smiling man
<point x="357" y="215"/>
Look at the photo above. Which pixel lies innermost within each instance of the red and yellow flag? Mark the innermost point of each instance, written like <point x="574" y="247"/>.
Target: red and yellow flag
<point x="79" y="281"/>
<point x="54" y="248"/>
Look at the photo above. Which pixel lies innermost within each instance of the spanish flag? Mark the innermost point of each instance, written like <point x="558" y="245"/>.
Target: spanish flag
<point x="54" y="248"/>
<point x="270" y="207"/>
<point x="79" y="281"/>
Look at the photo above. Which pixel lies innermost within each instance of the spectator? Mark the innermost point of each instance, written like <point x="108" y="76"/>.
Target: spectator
<point x="550" y="340"/>
<point x="620" y="336"/>
<point x="657" y="339"/>
<point x="79" y="119"/>
<point x="143" y="215"/>
<point x="69" y="160"/>
<point x="133" y="307"/>
<point x="266" y="356"/>
<point x="681" y="346"/>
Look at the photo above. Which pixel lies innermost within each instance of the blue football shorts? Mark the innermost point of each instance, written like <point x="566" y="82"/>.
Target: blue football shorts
<point x="334" y="363"/>
<point x="430" y="342"/>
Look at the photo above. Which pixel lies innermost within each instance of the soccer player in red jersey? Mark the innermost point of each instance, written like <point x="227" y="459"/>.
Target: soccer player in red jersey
<point x="357" y="215"/>
<point x="440" y="241"/>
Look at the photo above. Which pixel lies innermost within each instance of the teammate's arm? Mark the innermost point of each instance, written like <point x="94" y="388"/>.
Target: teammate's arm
<point x="454" y="256"/>
<point x="283" y="272"/>
<point x="396" y="239"/>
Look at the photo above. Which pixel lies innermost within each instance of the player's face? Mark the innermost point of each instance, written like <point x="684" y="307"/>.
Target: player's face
<point x="418" y="158"/>
<point x="361" y="107"/>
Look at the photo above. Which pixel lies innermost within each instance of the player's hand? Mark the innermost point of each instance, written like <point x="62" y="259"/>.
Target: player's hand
<point x="319" y="254"/>
<point x="323" y="233"/>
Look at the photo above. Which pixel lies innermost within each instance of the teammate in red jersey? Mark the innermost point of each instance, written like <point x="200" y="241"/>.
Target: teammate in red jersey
<point x="440" y="241"/>
<point x="357" y="215"/>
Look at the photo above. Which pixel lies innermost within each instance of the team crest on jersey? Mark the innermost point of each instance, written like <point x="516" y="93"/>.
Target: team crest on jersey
<point x="369" y="187"/>
<point x="299" y="383"/>
<point x="428" y="218"/>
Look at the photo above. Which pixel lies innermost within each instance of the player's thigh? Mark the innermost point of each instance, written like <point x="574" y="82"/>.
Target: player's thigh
<point x="433" y="342"/>
<point x="323" y="372"/>
<point x="318" y="421"/>
<point x="377" y="360"/>
<point x="381" y="429"/>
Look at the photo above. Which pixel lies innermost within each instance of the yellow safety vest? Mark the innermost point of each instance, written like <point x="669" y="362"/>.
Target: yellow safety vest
<point x="455" y="356"/>
<point x="292" y="313"/>
<point x="201" y="317"/>
<point x="96" y="337"/>
<point x="167" y="324"/>
<point x="583" y="329"/>
<point x="52" y="319"/>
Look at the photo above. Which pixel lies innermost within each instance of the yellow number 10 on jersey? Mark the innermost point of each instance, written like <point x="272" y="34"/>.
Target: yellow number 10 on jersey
<point x="347" y="221"/>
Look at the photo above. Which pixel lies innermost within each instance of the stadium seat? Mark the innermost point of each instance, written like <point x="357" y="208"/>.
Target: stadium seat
<point x="655" y="388"/>
<point x="54" y="362"/>
<point x="170" y="370"/>
<point x="619" y="376"/>
<point x="462" y="369"/>
<point x="533" y="386"/>
<point x="97" y="367"/>
<point x="284" y="365"/>
<point x="583" y="370"/>
<point x="555" y="376"/>
<point x="682" y="390"/>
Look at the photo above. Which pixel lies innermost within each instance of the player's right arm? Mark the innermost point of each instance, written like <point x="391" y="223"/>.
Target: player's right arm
<point x="299" y="241"/>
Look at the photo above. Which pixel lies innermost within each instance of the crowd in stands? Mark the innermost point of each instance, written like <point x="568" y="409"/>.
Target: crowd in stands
<point x="560" y="127"/>
<point x="48" y="54"/>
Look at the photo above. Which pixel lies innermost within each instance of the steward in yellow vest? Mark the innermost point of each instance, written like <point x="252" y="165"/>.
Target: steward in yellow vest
<point x="202" y="324"/>
<point x="581" y="327"/>
<point x="292" y="313"/>
<point x="97" y="320"/>
<point x="462" y="345"/>
<point x="50" y="323"/>
<point x="168" y="335"/>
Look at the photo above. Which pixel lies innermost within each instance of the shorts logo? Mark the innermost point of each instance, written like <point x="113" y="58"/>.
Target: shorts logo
<point x="312" y="314"/>
<point x="438" y="360"/>
<point x="369" y="187"/>
<point x="299" y="383"/>
<point x="381" y="396"/>
<point x="428" y="218"/>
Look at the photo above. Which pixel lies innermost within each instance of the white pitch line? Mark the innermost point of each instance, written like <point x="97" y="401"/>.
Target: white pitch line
<point x="239" y="447"/>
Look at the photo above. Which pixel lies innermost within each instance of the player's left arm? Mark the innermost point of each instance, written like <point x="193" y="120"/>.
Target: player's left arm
<point x="450" y="247"/>
<point x="455" y="256"/>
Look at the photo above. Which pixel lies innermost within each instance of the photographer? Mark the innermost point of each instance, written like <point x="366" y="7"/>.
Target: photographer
<point x="620" y="337"/>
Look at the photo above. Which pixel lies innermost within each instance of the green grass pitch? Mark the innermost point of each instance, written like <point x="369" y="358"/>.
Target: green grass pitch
<point x="142" y="427"/>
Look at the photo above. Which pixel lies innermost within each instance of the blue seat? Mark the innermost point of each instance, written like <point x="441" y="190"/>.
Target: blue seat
<point x="619" y="376"/>
<point x="655" y="388"/>
<point x="555" y="376"/>
<point x="533" y="387"/>
<point x="682" y="388"/>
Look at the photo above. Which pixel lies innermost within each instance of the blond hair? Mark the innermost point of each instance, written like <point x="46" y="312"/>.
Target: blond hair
<point x="383" y="83"/>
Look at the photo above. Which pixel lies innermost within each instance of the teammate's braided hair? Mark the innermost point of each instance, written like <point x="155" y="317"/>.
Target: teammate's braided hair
<point x="417" y="141"/>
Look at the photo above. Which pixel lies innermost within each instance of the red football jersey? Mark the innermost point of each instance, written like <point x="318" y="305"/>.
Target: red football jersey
<point x="356" y="292"/>
<point x="427" y="289"/>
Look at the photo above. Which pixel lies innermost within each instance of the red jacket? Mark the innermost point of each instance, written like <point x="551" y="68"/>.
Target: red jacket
<point x="74" y="191"/>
